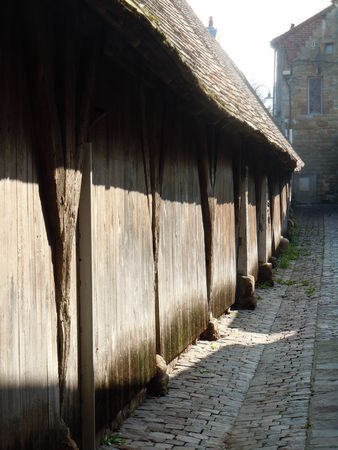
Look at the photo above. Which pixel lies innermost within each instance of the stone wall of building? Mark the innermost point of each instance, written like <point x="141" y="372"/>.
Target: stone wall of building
<point x="313" y="135"/>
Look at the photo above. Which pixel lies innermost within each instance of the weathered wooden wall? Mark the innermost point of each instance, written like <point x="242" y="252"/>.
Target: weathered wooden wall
<point x="247" y="234"/>
<point x="29" y="393"/>
<point x="182" y="285"/>
<point x="123" y="263"/>
<point x="217" y="188"/>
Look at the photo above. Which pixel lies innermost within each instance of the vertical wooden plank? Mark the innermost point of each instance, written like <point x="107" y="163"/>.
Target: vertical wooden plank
<point x="288" y="195"/>
<point x="181" y="262"/>
<point x="263" y="227"/>
<point x="247" y="243"/>
<point x="9" y="313"/>
<point x="28" y="379"/>
<point x="71" y="403"/>
<point x="86" y="306"/>
<point x="264" y="236"/>
<point x="5" y="297"/>
<point x="269" y="219"/>
<point x="284" y="204"/>
<point x="276" y="214"/>
<point x="45" y="399"/>
<point x="290" y="182"/>
<point x="205" y="167"/>
<point x="252" y="226"/>
<point x="123" y="259"/>
<point x="13" y="251"/>
<point x="4" y="286"/>
<point x="243" y="228"/>
<point x="49" y="324"/>
<point x="29" y="320"/>
<point x="223" y="254"/>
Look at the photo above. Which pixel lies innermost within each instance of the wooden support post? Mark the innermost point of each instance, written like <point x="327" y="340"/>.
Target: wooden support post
<point x="276" y="215"/>
<point x="86" y="306"/>
<point x="246" y="280"/>
<point x="284" y="205"/>
<point x="290" y="222"/>
<point x="252" y="223"/>
<point x="264" y="231"/>
<point x="243" y="268"/>
<point x="263" y="221"/>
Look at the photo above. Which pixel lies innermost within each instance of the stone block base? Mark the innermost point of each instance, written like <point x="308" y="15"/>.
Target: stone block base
<point x="211" y="333"/>
<point x="284" y="244"/>
<point x="265" y="272"/>
<point x="246" y="290"/>
<point x="159" y="384"/>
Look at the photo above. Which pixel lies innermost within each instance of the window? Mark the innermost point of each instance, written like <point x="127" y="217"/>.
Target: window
<point x="304" y="184"/>
<point x="315" y="95"/>
<point x="329" y="48"/>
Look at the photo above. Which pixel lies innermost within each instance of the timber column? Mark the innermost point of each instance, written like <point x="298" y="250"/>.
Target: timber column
<point x="247" y="241"/>
<point x="264" y="230"/>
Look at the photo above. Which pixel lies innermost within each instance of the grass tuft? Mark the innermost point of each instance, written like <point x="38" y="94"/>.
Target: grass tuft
<point x="113" y="439"/>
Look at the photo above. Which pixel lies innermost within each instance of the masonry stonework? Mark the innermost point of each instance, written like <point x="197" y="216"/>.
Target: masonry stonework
<point x="308" y="113"/>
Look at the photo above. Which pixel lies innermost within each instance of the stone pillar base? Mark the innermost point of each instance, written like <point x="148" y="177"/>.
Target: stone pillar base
<point x="211" y="333"/>
<point x="159" y="384"/>
<point x="66" y="442"/>
<point x="265" y="272"/>
<point x="246" y="291"/>
<point x="284" y="244"/>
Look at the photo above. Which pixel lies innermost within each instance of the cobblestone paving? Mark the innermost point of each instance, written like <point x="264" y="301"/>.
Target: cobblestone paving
<point x="252" y="388"/>
<point x="323" y="418"/>
<point x="274" y="414"/>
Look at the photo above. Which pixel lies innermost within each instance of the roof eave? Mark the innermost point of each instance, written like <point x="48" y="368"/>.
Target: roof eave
<point x="207" y="98"/>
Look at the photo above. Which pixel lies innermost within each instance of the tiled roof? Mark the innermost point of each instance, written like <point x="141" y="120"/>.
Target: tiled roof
<point x="211" y="70"/>
<point x="294" y="39"/>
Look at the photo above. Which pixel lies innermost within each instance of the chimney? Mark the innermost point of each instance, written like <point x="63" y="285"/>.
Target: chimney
<point x="292" y="26"/>
<point x="211" y="28"/>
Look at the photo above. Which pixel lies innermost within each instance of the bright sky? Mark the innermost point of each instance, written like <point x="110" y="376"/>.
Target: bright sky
<point x="246" y="27"/>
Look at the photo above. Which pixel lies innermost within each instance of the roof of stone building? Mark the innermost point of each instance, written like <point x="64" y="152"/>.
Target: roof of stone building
<point x="207" y="68"/>
<point x="294" y="39"/>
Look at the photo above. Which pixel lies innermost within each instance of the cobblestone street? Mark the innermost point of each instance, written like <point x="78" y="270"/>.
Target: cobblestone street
<point x="271" y="380"/>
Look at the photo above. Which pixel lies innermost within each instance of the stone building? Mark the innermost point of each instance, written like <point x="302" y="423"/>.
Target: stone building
<point x="306" y="101"/>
